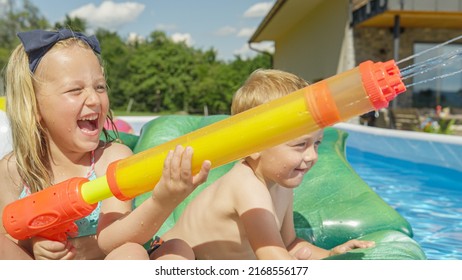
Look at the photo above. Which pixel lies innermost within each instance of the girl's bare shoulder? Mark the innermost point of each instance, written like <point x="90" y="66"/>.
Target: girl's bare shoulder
<point x="110" y="152"/>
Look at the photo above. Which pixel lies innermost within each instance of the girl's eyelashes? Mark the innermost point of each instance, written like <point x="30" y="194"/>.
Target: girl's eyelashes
<point x="101" y="88"/>
<point x="74" y="91"/>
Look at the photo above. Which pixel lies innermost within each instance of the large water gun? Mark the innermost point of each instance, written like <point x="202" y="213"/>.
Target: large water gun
<point x="51" y="213"/>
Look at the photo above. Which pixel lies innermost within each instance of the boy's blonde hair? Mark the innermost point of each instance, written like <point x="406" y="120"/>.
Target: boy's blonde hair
<point x="264" y="85"/>
<point x="30" y="143"/>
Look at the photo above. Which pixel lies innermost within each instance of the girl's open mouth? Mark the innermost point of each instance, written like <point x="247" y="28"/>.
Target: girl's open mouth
<point x="88" y="124"/>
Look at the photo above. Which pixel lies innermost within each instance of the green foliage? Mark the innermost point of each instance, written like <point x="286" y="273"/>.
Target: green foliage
<point x="155" y="75"/>
<point x="75" y="24"/>
<point x="442" y="126"/>
<point x="116" y="55"/>
<point x="159" y="75"/>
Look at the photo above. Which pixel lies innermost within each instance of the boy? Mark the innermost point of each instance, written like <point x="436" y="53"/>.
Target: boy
<point x="248" y="212"/>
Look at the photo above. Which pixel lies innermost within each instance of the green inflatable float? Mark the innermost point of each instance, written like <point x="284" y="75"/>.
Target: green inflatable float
<point x="331" y="206"/>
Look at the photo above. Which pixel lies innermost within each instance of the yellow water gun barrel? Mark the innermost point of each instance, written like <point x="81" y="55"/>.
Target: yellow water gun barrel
<point x="2" y="103"/>
<point x="370" y="86"/>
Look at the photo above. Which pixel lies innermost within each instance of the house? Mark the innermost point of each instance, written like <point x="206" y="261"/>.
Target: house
<point x="317" y="39"/>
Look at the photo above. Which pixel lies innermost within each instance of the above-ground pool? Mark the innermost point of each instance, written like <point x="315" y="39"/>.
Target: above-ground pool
<point x="418" y="174"/>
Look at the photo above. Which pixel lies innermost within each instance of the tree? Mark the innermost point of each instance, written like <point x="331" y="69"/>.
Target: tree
<point x="159" y="74"/>
<point x="115" y="55"/>
<point x="15" y="18"/>
<point x="73" y="23"/>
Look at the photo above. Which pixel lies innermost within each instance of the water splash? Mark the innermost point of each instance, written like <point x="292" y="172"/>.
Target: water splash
<point x="428" y="50"/>
<point x="441" y="64"/>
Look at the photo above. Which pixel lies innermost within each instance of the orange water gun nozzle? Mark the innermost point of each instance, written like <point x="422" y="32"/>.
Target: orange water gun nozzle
<point x="382" y="82"/>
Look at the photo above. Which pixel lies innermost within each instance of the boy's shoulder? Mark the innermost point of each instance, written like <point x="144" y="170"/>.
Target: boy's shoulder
<point x="242" y="180"/>
<point x="241" y="173"/>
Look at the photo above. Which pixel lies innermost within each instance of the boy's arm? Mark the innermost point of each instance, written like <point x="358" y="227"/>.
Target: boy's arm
<point x="304" y="250"/>
<point x="297" y="247"/>
<point x="254" y="205"/>
<point x="263" y="235"/>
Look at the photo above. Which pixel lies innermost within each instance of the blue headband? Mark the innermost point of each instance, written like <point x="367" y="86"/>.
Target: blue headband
<point x="38" y="42"/>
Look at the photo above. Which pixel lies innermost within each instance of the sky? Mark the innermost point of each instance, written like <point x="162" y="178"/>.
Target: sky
<point x="224" y="25"/>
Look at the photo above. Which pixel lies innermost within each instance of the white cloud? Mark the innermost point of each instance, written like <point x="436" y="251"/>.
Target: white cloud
<point x="183" y="37"/>
<point x="246" y="32"/>
<point x="225" y="31"/>
<point x="246" y="52"/>
<point x="258" y="10"/>
<point x="109" y="15"/>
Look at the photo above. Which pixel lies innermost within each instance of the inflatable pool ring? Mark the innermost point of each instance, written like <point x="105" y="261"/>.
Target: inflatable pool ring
<point x="121" y="125"/>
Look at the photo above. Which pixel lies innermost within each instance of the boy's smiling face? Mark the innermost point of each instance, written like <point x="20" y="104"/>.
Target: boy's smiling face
<point x="287" y="164"/>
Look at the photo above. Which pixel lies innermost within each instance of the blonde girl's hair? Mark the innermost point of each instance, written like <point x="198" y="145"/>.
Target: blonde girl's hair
<point x="30" y="143"/>
<point x="264" y="85"/>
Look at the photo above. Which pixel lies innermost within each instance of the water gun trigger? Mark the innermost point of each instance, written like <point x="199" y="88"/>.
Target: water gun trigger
<point x="61" y="233"/>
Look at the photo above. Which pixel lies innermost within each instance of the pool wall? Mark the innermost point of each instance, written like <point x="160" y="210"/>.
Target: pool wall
<point x="419" y="147"/>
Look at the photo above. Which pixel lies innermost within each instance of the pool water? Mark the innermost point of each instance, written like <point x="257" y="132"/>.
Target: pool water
<point x="428" y="196"/>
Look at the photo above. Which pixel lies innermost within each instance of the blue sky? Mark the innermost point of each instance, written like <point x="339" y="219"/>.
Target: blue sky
<point x="225" y="25"/>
